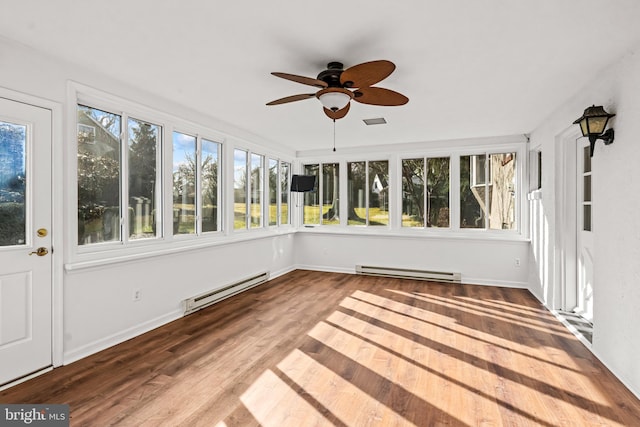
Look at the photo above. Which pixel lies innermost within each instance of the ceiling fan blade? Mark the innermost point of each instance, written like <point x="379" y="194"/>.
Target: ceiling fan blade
<point x="301" y="79"/>
<point x="335" y="115"/>
<point x="367" y="73"/>
<point x="292" y="98"/>
<point x="379" y="96"/>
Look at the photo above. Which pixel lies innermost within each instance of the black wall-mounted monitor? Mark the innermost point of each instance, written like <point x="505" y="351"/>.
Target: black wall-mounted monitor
<point x="303" y="183"/>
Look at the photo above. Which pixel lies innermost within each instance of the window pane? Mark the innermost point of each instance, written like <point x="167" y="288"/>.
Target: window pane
<point x="284" y="192"/>
<point x="257" y="188"/>
<point x="330" y="194"/>
<point x="210" y="186"/>
<point x="356" y="187"/>
<point x="379" y="193"/>
<point x="502" y="191"/>
<point x="273" y="192"/>
<point x="586" y="187"/>
<point x="98" y="176"/>
<point x="13" y="183"/>
<point x="438" y="192"/>
<point x="478" y="170"/>
<point x="413" y="193"/>
<point x="472" y="196"/>
<point x="586" y="156"/>
<point x="311" y="214"/>
<point x="184" y="183"/>
<point x="143" y="144"/>
<point x="240" y="189"/>
<point x="586" y="217"/>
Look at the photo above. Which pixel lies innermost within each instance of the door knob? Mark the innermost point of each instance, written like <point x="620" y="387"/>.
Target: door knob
<point x="41" y="251"/>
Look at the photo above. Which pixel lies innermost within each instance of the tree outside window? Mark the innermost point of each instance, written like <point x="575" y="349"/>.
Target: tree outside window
<point x="488" y="191"/>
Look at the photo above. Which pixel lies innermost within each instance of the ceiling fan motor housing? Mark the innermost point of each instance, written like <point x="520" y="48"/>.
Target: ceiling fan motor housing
<point x="331" y="76"/>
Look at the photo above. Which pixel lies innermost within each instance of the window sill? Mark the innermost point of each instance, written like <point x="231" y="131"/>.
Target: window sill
<point x="120" y="255"/>
<point x="476" y="235"/>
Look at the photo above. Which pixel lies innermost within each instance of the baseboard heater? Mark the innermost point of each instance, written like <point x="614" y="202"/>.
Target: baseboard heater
<point x="409" y="273"/>
<point x="206" y="299"/>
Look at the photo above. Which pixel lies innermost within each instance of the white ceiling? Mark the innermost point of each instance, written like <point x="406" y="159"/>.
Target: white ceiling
<point x="471" y="68"/>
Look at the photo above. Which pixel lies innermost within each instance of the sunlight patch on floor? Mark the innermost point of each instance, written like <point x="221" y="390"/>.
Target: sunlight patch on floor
<point x="350" y="404"/>
<point x="274" y="404"/>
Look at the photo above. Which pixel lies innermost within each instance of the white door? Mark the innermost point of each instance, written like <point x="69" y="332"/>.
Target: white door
<point x="25" y="240"/>
<point x="584" y="233"/>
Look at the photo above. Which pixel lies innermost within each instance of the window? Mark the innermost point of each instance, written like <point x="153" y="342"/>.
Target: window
<point x="240" y="189"/>
<point x="330" y="194"/>
<point x="487" y="191"/>
<point x="273" y="192"/>
<point x="586" y="190"/>
<point x="321" y="205"/>
<point x="119" y="183"/>
<point x="256" y="190"/>
<point x="184" y="183"/>
<point x="425" y="206"/>
<point x="285" y="179"/>
<point x="14" y="183"/>
<point x="249" y="190"/>
<point x="368" y="193"/>
<point x="144" y="185"/>
<point x="278" y="192"/>
<point x="210" y="189"/>
<point x="196" y="189"/>
<point x="311" y="206"/>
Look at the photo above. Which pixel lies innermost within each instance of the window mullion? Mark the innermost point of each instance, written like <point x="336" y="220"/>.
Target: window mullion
<point x="198" y="189"/>
<point x="124" y="179"/>
<point x="247" y="207"/>
<point x="367" y="189"/>
<point x="320" y="192"/>
<point x="425" y="194"/>
<point x="487" y="199"/>
<point x="278" y="194"/>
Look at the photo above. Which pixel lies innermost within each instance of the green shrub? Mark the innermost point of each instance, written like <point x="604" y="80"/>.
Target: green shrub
<point x="12" y="228"/>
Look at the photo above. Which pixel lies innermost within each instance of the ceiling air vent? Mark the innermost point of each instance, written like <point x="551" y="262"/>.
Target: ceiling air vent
<point x="376" y="121"/>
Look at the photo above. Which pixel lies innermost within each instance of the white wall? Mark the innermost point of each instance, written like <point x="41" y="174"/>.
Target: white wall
<point x="615" y="216"/>
<point x="99" y="306"/>
<point x="480" y="261"/>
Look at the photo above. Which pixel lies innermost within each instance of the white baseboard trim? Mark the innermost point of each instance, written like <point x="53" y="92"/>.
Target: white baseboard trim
<point x="326" y="269"/>
<point x="492" y="282"/>
<point x="26" y="378"/>
<point x="282" y="272"/>
<point x="465" y="280"/>
<point x="593" y="351"/>
<point x="620" y="378"/>
<point x="117" y="338"/>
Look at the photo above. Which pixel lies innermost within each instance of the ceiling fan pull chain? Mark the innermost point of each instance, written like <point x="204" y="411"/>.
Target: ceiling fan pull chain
<point x="334" y="135"/>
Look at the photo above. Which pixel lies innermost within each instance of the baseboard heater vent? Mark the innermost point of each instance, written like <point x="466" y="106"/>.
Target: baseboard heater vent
<point x="206" y="299"/>
<point x="408" y="273"/>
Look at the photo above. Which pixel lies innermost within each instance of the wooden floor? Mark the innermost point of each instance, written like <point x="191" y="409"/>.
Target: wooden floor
<point x="312" y="349"/>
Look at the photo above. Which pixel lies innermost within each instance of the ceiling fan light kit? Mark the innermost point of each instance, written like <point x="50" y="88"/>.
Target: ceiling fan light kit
<point x="334" y="98"/>
<point x="336" y="86"/>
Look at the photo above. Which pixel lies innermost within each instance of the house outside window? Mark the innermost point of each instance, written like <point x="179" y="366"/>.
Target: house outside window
<point x="118" y="177"/>
<point x="368" y="193"/>
<point x="488" y="191"/>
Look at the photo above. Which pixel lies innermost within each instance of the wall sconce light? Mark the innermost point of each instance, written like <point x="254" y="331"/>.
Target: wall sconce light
<point x="593" y="123"/>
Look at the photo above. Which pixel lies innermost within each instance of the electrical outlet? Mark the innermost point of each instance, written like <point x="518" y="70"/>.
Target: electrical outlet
<point x="136" y="295"/>
<point x="517" y="262"/>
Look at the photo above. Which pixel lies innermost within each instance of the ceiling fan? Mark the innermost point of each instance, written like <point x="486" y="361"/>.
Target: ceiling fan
<point x="339" y="86"/>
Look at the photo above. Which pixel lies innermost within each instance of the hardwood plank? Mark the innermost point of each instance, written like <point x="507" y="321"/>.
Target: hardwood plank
<point x="315" y="349"/>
